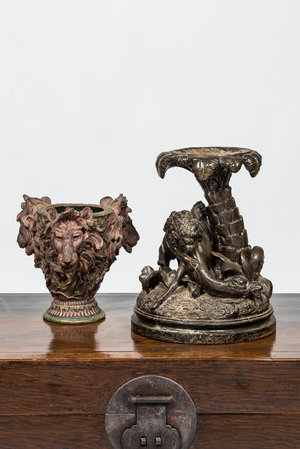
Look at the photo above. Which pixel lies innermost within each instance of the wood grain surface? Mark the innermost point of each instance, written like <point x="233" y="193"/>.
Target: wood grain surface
<point x="56" y="381"/>
<point x="25" y="335"/>
<point x="86" y="387"/>
<point x="223" y="431"/>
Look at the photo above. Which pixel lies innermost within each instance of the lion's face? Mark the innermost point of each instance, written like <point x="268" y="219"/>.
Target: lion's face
<point x="68" y="238"/>
<point x="187" y="244"/>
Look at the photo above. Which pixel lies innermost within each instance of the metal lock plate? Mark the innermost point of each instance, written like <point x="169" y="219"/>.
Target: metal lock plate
<point x="151" y="412"/>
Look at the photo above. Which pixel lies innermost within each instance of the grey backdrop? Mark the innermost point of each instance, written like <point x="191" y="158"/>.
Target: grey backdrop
<point x="92" y="91"/>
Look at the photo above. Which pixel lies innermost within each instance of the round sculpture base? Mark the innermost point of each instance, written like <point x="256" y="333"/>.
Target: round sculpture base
<point x="204" y="331"/>
<point x="74" y="312"/>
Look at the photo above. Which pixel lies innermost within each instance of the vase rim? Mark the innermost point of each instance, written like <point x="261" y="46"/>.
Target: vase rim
<point x="212" y="151"/>
<point x="61" y="207"/>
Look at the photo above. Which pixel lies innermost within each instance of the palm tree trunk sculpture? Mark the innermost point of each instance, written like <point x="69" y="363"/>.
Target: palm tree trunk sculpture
<point x="213" y="168"/>
<point x="217" y="294"/>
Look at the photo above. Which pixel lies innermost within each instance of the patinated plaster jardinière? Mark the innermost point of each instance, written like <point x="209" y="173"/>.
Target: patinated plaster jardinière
<point x="75" y="245"/>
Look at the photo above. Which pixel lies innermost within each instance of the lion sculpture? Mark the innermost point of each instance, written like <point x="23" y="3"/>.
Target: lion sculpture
<point x="189" y="240"/>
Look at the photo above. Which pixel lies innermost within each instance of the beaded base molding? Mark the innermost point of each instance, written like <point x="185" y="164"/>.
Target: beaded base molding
<point x="74" y="312"/>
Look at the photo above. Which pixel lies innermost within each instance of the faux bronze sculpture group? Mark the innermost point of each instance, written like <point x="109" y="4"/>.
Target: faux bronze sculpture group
<point x="216" y="294"/>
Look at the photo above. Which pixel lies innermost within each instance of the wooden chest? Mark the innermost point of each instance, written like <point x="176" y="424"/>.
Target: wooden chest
<point x="56" y="381"/>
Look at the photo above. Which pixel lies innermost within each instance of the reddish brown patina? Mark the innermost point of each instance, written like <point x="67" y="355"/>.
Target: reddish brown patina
<point x="75" y="245"/>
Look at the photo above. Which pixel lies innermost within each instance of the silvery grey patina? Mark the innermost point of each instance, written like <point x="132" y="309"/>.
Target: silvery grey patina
<point x="217" y="294"/>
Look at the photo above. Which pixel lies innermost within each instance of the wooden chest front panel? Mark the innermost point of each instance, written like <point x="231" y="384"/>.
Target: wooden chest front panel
<point x="56" y="381"/>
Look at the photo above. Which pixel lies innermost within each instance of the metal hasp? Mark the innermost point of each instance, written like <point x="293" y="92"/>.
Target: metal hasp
<point x="151" y="429"/>
<point x="151" y="412"/>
